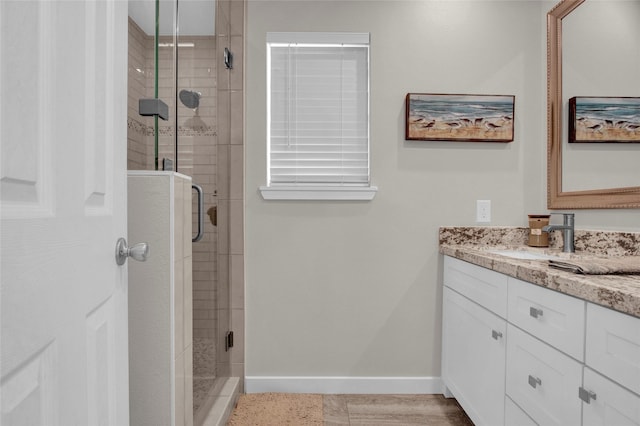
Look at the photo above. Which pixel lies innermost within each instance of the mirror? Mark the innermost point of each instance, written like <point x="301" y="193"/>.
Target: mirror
<point x="567" y="187"/>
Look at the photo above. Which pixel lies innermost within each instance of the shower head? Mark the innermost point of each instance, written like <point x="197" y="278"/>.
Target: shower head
<point x="190" y="98"/>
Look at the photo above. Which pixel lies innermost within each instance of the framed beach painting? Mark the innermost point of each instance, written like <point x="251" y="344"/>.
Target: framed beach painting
<point x="604" y="119"/>
<point x="474" y="118"/>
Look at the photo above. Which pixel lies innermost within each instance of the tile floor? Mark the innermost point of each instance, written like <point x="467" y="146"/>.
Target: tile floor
<point x="406" y="410"/>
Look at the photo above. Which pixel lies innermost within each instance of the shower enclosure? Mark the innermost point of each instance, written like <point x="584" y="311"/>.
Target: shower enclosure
<point x="181" y="52"/>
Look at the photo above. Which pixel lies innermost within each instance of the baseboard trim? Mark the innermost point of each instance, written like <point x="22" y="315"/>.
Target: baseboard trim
<point x="344" y="385"/>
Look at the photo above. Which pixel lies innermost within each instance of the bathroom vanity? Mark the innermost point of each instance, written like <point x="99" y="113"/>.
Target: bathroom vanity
<point x="525" y="344"/>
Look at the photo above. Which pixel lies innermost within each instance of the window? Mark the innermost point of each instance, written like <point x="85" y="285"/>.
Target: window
<point x="318" y="116"/>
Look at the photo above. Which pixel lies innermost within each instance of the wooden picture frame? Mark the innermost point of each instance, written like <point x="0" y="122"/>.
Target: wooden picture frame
<point x="468" y="118"/>
<point x="604" y="119"/>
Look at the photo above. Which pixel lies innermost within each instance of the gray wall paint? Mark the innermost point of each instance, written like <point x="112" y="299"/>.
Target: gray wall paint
<point x="354" y="288"/>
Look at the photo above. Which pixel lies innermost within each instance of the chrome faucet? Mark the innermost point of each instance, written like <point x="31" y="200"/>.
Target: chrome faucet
<point x="567" y="231"/>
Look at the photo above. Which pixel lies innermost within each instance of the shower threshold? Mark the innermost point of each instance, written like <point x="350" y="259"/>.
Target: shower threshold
<point x="217" y="408"/>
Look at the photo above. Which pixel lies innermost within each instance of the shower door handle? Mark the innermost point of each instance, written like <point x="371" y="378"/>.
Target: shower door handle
<point x="228" y="59"/>
<point x="200" y="233"/>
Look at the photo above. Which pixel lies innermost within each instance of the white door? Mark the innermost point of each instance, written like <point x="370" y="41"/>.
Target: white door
<point x="63" y="193"/>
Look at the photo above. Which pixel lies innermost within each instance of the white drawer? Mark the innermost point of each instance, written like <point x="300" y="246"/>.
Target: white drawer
<point x="613" y="345"/>
<point x="514" y="416"/>
<point x="554" y="317"/>
<point x="541" y="380"/>
<point x="613" y="405"/>
<point x="484" y="286"/>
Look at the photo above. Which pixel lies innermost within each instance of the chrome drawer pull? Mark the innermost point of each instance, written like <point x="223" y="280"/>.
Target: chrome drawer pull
<point x="496" y="334"/>
<point x="535" y="312"/>
<point x="586" y="395"/>
<point x="534" y="381"/>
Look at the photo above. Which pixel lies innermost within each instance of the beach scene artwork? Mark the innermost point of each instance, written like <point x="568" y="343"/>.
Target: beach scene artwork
<point x="475" y="118"/>
<point x="604" y="119"/>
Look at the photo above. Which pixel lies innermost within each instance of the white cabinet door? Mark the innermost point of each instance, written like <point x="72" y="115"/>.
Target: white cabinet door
<point x="613" y="345"/>
<point x="609" y="404"/>
<point x="514" y="416"/>
<point x="473" y="358"/>
<point x="63" y="196"/>
<point x="543" y="381"/>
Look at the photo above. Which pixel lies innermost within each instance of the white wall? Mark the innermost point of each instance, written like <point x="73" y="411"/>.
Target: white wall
<point x="353" y="288"/>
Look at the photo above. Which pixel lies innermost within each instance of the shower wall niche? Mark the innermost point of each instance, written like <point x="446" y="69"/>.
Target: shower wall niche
<point x="203" y="141"/>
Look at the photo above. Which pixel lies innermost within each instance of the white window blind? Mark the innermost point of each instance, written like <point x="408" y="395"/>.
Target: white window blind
<point x="318" y="106"/>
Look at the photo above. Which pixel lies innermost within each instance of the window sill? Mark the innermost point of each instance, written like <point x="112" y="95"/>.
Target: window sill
<point x="337" y="193"/>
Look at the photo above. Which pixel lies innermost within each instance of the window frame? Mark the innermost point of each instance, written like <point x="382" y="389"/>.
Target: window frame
<point x="322" y="191"/>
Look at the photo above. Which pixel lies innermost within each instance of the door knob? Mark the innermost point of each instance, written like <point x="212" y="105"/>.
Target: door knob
<point x="139" y="252"/>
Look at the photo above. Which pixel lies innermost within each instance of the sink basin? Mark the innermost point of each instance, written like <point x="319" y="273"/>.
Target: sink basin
<point x="525" y="255"/>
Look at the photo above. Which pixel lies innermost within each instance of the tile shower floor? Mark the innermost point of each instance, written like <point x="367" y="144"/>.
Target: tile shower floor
<point x="432" y="410"/>
<point x="204" y="374"/>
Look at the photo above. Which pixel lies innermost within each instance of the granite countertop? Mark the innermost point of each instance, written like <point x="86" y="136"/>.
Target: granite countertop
<point x="618" y="292"/>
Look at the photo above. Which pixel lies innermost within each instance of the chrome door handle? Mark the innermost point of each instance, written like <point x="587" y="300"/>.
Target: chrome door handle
<point x="200" y="233"/>
<point x="139" y="252"/>
<point x="534" y="381"/>
<point x="535" y="312"/>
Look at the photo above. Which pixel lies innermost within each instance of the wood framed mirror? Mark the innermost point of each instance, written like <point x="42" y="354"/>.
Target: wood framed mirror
<point x="557" y="196"/>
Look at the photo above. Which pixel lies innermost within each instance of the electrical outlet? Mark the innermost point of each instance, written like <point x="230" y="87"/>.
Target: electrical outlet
<point x="483" y="211"/>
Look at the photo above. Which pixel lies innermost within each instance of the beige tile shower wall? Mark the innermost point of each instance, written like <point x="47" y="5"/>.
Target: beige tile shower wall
<point x="196" y="128"/>
<point x="139" y="129"/>
<point x="230" y="30"/>
<point x="166" y="92"/>
<point x="160" y="334"/>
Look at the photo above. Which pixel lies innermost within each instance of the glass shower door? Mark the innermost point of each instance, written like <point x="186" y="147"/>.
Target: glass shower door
<point x="152" y="79"/>
<point x="196" y="118"/>
<point x="201" y="154"/>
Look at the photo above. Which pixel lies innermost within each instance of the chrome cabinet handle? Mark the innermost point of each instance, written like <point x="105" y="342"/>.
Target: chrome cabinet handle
<point x="535" y="312"/>
<point x="200" y="233"/>
<point x="139" y="252"/>
<point x="586" y="395"/>
<point x="534" y="381"/>
<point x="496" y="334"/>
